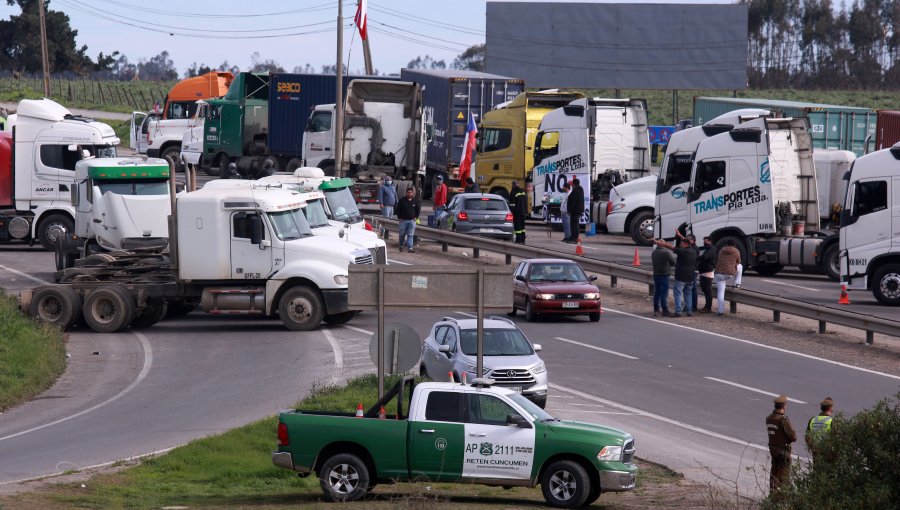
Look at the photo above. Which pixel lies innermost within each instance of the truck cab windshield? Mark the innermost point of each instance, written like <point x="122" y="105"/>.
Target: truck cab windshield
<point x="290" y="225"/>
<point x="315" y="214"/>
<point x="137" y="187"/>
<point x="343" y="205"/>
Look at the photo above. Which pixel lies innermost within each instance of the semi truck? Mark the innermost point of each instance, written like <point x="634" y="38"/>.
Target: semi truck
<point x="887" y="129"/>
<point x="456" y="433"/>
<point x="451" y="97"/>
<point x="231" y="250"/>
<point x="37" y="169"/>
<point x="506" y="135"/>
<point x="159" y="134"/>
<point x="870" y="226"/>
<point x="120" y="204"/>
<point x="602" y="142"/>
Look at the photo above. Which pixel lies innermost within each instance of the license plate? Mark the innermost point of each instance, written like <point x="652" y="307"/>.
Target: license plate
<point x="488" y="230"/>
<point x="570" y="304"/>
<point x="517" y="389"/>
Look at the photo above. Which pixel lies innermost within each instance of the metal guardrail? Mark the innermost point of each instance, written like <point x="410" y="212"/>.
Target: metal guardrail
<point x="777" y="304"/>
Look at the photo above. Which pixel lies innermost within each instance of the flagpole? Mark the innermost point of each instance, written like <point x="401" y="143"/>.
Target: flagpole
<point x="367" y="54"/>
<point x="339" y="96"/>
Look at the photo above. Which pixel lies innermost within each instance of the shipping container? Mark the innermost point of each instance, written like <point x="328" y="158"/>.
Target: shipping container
<point x="832" y="127"/>
<point x="888" y="130"/>
<point x="450" y="97"/>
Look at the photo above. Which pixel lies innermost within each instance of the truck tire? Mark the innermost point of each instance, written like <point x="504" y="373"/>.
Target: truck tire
<point x="344" y="477"/>
<point x="768" y="269"/>
<point x="340" y="318"/>
<point x="831" y="262"/>
<point x="565" y="484"/>
<point x="51" y="227"/>
<point x="63" y="259"/>
<point x="173" y="152"/>
<point x="593" y="495"/>
<point x="886" y="285"/>
<point x="56" y="305"/>
<point x="108" y="309"/>
<point x="154" y="312"/>
<point x="641" y="228"/>
<point x="301" y="308"/>
<point x="293" y="165"/>
<point x="501" y="192"/>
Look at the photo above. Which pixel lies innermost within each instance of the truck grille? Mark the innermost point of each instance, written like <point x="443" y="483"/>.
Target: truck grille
<point x="512" y="377"/>
<point x="364" y="259"/>
<point x="379" y="254"/>
<point x="628" y="452"/>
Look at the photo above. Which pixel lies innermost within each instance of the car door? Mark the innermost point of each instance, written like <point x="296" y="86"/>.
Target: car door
<point x="437" y="437"/>
<point x="138" y="136"/>
<point x="249" y="261"/>
<point x="495" y="450"/>
<point x="520" y="288"/>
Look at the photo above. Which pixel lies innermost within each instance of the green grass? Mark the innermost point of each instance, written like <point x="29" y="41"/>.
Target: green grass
<point x="31" y="356"/>
<point x="113" y="96"/>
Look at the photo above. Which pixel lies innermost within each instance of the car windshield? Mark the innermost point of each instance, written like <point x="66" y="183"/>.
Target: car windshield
<point x="315" y="213"/>
<point x="343" y="205"/>
<point x="497" y="342"/>
<point x="290" y="225"/>
<point x="557" y="272"/>
<point x="485" y="204"/>
<point x="531" y="408"/>
<point x="142" y="187"/>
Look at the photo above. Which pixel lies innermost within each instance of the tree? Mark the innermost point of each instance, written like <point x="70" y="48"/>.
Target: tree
<point x="159" y="68"/>
<point x="472" y="59"/>
<point x="20" y="46"/>
<point x="307" y="69"/>
<point x="258" y="65"/>
<point x="225" y="67"/>
<point x="426" y="63"/>
<point x="197" y="70"/>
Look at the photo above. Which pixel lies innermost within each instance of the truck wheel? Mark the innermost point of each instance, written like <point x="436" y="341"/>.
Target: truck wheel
<point x="831" y="262"/>
<point x="344" y="477"/>
<point x="641" y="228"/>
<point x="56" y="305"/>
<point x="108" y="309"/>
<point x="154" y="312"/>
<point x="173" y="152"/>
<point x="63" y="259"/>
<point x="51" y="227"/>
<point x="565" y="484"/>
<point x="340" y="318"/>
<point x="768" y="269"/>
<point x="886" y="285"/>
<point x="301" y="309"/>
<point x="293" y="165"/>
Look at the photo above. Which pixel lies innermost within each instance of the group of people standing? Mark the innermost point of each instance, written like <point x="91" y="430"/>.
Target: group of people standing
<point x="571" y="208"/>
<point x="693" y="265"/>
<point x="782" y="435"/>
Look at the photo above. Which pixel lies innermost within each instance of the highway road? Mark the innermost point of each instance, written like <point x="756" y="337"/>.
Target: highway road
<point x="694" y="400"/>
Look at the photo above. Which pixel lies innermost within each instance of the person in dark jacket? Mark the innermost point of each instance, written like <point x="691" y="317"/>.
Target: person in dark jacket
<point x="575" y="206"/>
<point x="387" y="197"/>
<point x="781" y="435"/>
<point x="685" y="265"/>
<point x="408" y="210"/>
<point x="471" y="186"/>
<point x="663" y="260"/>
<point x="706" y="266"/>
<point x="519" y="211"/>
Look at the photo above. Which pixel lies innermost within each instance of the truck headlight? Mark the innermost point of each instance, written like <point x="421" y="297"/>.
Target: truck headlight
<point x="592" y="295"/>
<point x="618" y="206"/>
<point x="543" y="296"/>
<point x="341" y="279"/>
<point x="610" y="453"/>
<point x="540" y="368"/>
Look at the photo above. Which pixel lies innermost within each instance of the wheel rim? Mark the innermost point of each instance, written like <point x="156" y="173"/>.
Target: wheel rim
<point x="54" y="230"/>
<point x="646" y="229"/>
<point x="343" y="479"/>
<point x="104" y="310"/>
<point x="834" y="263"/>
<point x="890" y="285"/>
<point x="50" y="309"/>
<point x="299" y="309"/>
<point x="562" y="485"/>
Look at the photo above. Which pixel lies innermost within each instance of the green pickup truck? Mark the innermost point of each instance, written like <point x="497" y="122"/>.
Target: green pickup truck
<point x="456" y="433"/>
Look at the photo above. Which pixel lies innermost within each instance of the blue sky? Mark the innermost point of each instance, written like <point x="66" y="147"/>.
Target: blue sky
<point x="210" y="32"/>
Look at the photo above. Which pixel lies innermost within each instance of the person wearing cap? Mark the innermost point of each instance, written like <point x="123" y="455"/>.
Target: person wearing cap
<point x="519" y="211"/>
<point x="387" y="197"/>
<point x="781" y="435"/>
<point x="819" y="426"/>
<point x="440" y="193"/>
<point x="471" y="186"/>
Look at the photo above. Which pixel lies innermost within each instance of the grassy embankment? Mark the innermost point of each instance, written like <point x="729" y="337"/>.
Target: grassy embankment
<point x="234" y="470"/>
<point x="31" y="357"/>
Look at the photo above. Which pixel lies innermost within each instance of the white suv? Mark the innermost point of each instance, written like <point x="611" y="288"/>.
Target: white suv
<point x="509" y="357"/>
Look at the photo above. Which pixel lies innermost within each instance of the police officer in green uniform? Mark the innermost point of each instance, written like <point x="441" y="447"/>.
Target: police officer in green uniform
<point x="819" y="426"/>
<point x="781" y="435"/>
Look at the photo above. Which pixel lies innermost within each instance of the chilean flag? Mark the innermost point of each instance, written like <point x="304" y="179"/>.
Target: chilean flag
<point x="465" y="164"/>
<point x="360" y="18"/>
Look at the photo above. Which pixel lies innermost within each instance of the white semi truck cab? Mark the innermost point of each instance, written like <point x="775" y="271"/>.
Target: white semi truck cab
<point x="870" y="226"/>
<point x="35" y="191"/>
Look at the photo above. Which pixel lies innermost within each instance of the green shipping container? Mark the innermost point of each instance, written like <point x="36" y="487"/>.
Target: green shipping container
<point x="848" y="128"/>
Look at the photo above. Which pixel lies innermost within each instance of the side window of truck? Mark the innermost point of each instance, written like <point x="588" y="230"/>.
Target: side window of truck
<point x="496" y="139"/>
<point x="871" y="196"/>
<point x="710" y="176"/>
<point x="59" y="156"/>
<point x="319" y="122"/>
<point x="444" y="406"/>
<point x="678" y="171"/>
<point x="241" y="225"/>
<point x="488" y="410"/>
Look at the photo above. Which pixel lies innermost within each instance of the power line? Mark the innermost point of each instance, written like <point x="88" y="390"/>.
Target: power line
<point x="160" y="12"/>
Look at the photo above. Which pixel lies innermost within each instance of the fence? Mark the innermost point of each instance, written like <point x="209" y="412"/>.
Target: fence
<point x="778" y="305"/>
<point x="83" y="90"/>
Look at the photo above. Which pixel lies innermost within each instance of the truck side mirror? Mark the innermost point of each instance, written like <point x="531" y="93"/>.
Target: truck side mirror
<point x="256" y="230"/>
<point x="516" y="420"/>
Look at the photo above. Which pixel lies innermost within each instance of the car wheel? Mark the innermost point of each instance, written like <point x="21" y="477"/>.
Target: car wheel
<point x="530" y="316"/>
<point x="344" y="478"/>
<point x="594" y="316"/>
<point x="565" y="484"/>
<point x="886" y="285"/>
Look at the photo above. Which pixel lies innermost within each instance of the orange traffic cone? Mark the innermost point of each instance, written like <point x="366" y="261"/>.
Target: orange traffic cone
<point x="464" y="378"/>
<point x="359" y="410"/>
<point x="636" y="261"/>
<point x="381" y="413"/>
<point x="578" y="249"/>
<point x="845" y="297"/>
<point x="450" y="375"/>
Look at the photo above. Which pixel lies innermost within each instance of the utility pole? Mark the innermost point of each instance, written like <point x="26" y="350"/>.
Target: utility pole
<point x="44" y="56"/>
<point x="338" y="120"/>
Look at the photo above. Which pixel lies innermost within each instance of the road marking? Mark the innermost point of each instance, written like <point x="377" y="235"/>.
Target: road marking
<point x="24" y="275"/>
<point x="148" y="362"/>
<point x="338" y="354"/>
<point x="467" y="314"/>
<point x="398" y="262"/>
<point x="778" y="349"/>
<point x="95" y="466"/>
<point x="576" y="244"/>
<point x="561" y="339"/>
<point x="360" y="330"/>
<point x="592" y="412"/>
<point x="670" y="421"/>
<point x="751" y="388"/>
<point x="792" y="285"/>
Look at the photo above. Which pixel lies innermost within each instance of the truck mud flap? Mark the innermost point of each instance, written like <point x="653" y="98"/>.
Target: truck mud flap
<point x="335" y="301"/>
